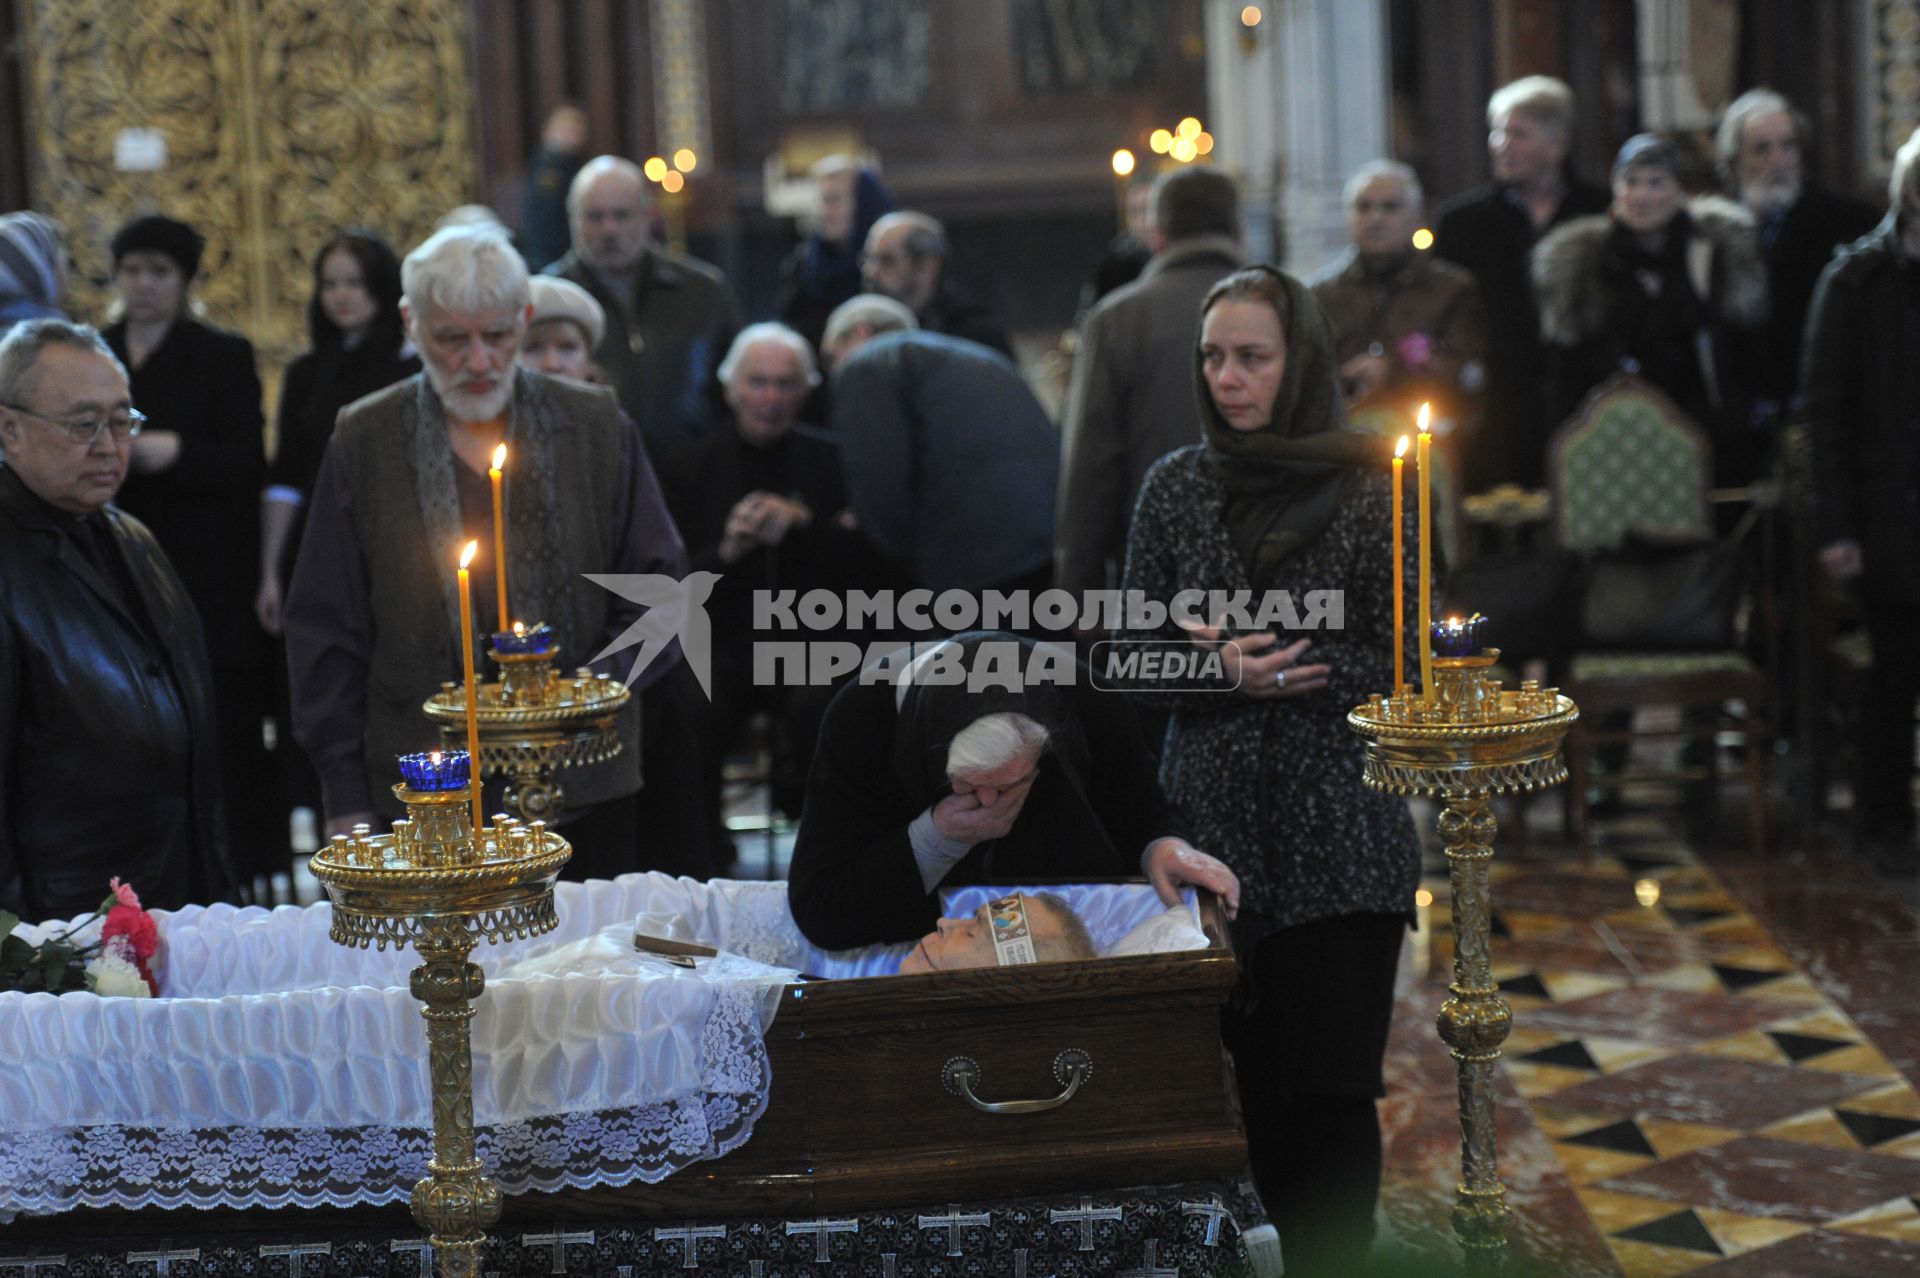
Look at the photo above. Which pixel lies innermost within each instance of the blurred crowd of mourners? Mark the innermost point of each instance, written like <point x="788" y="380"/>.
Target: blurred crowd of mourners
<point x="197" y="639"/>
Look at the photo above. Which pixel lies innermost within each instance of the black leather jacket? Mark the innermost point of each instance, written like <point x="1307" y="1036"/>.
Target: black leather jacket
<point x="108" y="763"/>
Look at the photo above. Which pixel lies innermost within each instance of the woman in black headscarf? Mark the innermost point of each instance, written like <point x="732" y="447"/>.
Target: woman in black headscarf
<point x="359" y="347"/>
<point x="1061" y="785"/>
<point x="1281" y="498"/>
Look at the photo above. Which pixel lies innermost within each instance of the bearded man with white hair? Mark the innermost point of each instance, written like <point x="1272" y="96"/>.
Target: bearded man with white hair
<point x="1762" y="146"/>
<point x="372" y="618"/>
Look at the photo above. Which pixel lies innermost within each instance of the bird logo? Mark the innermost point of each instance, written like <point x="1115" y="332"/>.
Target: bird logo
<point x="675" y="609"/>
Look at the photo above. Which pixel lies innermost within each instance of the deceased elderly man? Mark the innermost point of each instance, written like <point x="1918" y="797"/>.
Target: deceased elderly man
<point x="1027" y="927"/>
<point x="928" y="783"/>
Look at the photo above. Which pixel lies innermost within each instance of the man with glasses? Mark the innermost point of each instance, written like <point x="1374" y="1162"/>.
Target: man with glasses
<point x="108" y="752"/>
<point x="906" y="259"/>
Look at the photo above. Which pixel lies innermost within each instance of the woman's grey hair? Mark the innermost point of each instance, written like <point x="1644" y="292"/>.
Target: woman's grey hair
<point x="1540" y="97"/>
<point x="875" y="310"/>
<point x="993" y="741"/>
<point x="1372" y="169"/>
<point x="778" y="334"/>
<point x="466" y="269"/>
<point x="1904" y="180"/>
<point x="20" y="352"/>
<point x="1754" y="102"/>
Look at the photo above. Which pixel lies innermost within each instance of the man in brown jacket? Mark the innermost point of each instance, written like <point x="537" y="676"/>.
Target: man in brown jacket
<point x="1132" y="397"/>
<point x="1407" y="327"/>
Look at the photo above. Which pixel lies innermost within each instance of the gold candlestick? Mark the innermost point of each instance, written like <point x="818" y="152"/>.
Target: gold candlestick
<point x="1464" y="741"/>
<point x="437" y="885"/>
<point x="533" y="725"/>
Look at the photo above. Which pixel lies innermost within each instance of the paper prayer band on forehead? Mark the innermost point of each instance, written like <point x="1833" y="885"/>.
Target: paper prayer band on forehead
<point x="1012" y="938"/>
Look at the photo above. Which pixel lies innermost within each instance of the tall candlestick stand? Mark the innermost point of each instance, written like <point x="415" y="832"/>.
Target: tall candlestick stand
<point x="1472" y="742"/>
<point x="436" y="886"/>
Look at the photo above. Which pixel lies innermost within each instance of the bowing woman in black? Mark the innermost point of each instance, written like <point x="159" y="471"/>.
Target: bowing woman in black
<point x="194" y="479"/>
<point x="875" y="844"/>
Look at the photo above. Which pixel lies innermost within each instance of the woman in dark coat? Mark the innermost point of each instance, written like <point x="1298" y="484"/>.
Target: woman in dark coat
<point x="823" y="270"/>
<point x="359" y="347"/>
<point x="1280" y="498"/>
<point x="1671" y="289"/>
<point x="194" y="481"/>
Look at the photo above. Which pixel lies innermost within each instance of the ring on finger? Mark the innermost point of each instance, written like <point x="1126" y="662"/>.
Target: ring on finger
<point x="1279" y="678"/>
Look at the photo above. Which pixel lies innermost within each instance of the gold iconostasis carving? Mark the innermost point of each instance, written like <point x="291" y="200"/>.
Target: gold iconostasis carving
<point x="283" y="121"/>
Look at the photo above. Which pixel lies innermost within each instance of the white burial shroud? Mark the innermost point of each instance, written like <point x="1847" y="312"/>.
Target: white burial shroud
<point x="285" y="1070"/>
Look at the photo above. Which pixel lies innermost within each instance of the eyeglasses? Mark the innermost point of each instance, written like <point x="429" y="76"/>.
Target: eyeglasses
<point x="124" y="425"/>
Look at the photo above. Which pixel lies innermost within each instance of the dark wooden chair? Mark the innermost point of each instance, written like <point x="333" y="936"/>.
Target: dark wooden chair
<point x="1631" y="462"/>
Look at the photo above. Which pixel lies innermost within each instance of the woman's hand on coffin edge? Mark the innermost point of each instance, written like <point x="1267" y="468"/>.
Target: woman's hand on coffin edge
<point x="1172" y="864"/>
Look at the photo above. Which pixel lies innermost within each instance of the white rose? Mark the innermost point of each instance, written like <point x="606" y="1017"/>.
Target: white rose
<point x="110" y="975"/>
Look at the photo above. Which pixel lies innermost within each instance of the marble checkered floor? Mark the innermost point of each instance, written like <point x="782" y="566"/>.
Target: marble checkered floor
<point x="1684" y="1090"/>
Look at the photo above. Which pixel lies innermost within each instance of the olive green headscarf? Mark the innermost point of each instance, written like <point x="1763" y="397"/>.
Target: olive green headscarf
<point x="1284" y="480"/>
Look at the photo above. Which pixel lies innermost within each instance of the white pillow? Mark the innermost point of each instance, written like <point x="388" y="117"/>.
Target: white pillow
<point x="1164" y="933"/>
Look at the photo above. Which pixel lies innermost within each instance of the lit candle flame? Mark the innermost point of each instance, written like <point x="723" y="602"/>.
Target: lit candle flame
<point x="500" y="457"/>
<point x="519" y="630"/>
<point x="1400" y="449"/>
<point x="1426" y="411"/>
<point x="466" y="556"/>
<point x="434" y="758"/>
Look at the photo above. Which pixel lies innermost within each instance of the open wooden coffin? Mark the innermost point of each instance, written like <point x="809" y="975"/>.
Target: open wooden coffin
<point x="866" y="1107"/>
<point x="861" y="1114"/>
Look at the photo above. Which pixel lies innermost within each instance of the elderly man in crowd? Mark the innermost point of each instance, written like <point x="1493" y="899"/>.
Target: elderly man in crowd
<point x="372" y="622"/>
<point x="1491" y="231"/>
<point x="1131" y="399"/>
<point x="1762" y="148"/>
<point x="761" y="502"/>
<point x="668" y="317"/>
<point x="906" y="259"/>
<point x="1406" y="327"/>
<point x="109" y="763"/>
<point x="951" y="463"/>
<point x="927" y="782"/>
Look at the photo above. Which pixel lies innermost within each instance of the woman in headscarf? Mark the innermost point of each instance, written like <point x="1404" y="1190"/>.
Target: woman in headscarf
<point x="949" y="776"/>
<point x="1280" y="498"/>
<point x="33" y="269"/>
<point x="823" y="270"/>
<point x="359" y="347"/>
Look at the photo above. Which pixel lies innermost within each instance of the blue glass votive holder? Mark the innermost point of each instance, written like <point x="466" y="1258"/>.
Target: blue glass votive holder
<point x="439" y="770"/>
<point x="525" y="640"/>
<point x="1458" y="637"/>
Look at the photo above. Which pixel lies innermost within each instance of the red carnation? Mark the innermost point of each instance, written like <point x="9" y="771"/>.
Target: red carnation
<point x="136" y="925"/>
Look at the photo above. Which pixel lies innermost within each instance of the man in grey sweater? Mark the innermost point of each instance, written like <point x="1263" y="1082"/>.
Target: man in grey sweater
<point x="950" y="461"/>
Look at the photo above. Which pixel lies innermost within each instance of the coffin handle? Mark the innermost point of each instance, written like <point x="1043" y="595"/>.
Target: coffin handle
<point x="1072" y="1067"/>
